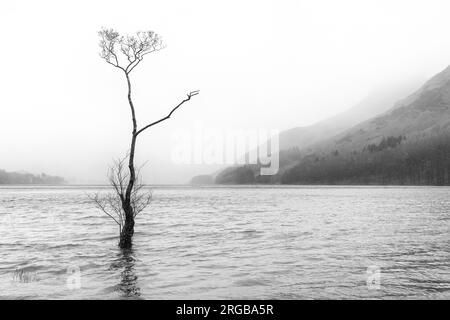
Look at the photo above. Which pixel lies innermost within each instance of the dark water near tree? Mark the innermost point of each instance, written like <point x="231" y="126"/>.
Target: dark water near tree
<point x="230" y="242"/>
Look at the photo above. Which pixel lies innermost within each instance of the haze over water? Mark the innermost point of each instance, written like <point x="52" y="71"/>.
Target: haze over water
<point x="229" y="242"/>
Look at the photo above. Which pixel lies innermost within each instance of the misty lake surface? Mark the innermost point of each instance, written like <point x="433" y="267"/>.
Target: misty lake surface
<point x="229" y="243"/>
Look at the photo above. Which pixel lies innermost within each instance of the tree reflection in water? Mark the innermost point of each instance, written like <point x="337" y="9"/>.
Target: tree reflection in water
<point x="128" y="285"/>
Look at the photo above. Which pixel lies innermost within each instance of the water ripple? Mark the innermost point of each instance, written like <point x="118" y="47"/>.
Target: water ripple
<point x="230" y="243"/>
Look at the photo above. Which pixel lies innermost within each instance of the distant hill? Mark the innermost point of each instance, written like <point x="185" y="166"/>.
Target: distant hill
<point x="423" y="113"/>
<point x="377" y="102"/>
<point x="28" y="178"/>
<point x="202" y="180"/>
<point x="406" y="143"/>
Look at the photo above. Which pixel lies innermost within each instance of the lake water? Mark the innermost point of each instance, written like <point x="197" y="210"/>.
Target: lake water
<point x="229" y="242"/>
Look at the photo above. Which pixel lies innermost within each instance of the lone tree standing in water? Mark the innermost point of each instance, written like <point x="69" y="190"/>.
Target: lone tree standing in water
<point x="125" y="53"/>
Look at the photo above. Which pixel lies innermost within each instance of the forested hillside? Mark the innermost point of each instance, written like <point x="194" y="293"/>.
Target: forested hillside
<point x="28" y="178"/>
<point x="420" y="162"/>
<point x="407" y="144"/>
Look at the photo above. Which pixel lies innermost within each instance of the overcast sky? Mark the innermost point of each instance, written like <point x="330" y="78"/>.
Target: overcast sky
<point x="259" y="64"/>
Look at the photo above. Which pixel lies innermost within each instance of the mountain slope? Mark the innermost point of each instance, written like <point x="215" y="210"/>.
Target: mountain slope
<point x="296" y="141"/>
<point x="377" y="102"/>
<point x="425" y="112"/>
<point x="408" y="144"/>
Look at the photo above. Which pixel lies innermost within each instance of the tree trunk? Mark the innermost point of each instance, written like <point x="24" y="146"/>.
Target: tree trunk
<point x="126" y="235"/>
<point x="127" y="232"/>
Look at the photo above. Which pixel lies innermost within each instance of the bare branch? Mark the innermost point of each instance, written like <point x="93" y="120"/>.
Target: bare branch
<point x="132" y="48"/>
<point x="135" y="62"/>
<point x="110" y="203"/>
<point x="102" y="204"/>
<point x="140" y="57"/>
<point x="108" y="42"/>
<point x="189" y="96"/>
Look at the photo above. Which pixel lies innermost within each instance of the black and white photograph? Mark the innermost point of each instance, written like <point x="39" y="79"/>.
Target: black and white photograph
<point x="252" y="150"/>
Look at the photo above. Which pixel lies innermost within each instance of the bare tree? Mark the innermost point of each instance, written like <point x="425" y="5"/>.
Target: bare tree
<point x="125" y="53"/>
<point x="111" y="202"/>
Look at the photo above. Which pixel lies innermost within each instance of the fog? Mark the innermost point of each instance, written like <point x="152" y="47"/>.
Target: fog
<point x="258" y="64"/>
